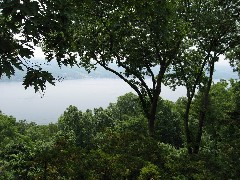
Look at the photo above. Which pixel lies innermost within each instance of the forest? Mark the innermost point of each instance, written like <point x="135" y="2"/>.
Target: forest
<point x="114" y="143"/>
<point x="141" y="136"/>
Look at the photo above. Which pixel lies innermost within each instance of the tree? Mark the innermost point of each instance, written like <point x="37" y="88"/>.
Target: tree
<point x="22" y="26"/>
<point x="78" y="123"/>
<point x="8" y="130"/>
<point x="135" y="35"/>
<point x="214" y="32"/>
<point x="135" y="40"/>
<point x="126" y="105"/>
<point x="216" y="39"/>
<point x="168" y="124"/>
<point x="222" y="129"/>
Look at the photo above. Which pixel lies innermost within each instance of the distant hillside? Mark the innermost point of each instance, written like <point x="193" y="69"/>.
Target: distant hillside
<point x="221" y="72"/>
<point x="67" y="73"/>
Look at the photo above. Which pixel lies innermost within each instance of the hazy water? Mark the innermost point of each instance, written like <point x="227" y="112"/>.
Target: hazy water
<point x="83" y="93"/>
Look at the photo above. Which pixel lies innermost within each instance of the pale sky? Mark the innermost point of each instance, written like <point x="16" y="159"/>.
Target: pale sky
<point x="38" y="53"/>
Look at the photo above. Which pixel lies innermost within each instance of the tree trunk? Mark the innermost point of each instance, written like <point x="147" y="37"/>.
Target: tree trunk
<point x="45" y="171"/>
<point x="203" y="110"/>
<point x="153" y="111"/>
<point x="186" y="126"/>
<point x="154" y="102"/>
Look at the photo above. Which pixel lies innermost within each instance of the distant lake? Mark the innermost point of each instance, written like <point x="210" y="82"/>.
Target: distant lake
<point x="82" y="93"/>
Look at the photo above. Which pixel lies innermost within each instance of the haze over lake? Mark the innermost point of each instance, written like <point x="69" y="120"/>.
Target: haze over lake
<point x="82" y="93"/>
<point x="94" y="90"/>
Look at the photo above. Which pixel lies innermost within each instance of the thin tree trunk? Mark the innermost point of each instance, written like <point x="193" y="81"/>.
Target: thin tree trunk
<point x="186" y="125"/>
<point x="45" y="171"/>
<point x="203" y="110"/>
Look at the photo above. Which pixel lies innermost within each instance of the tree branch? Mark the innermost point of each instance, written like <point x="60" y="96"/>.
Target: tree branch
<point x="133" y="86"/>
<point x="143" y="83"/>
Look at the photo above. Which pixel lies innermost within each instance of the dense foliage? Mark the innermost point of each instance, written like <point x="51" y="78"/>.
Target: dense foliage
<point x="114" y="143"/>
